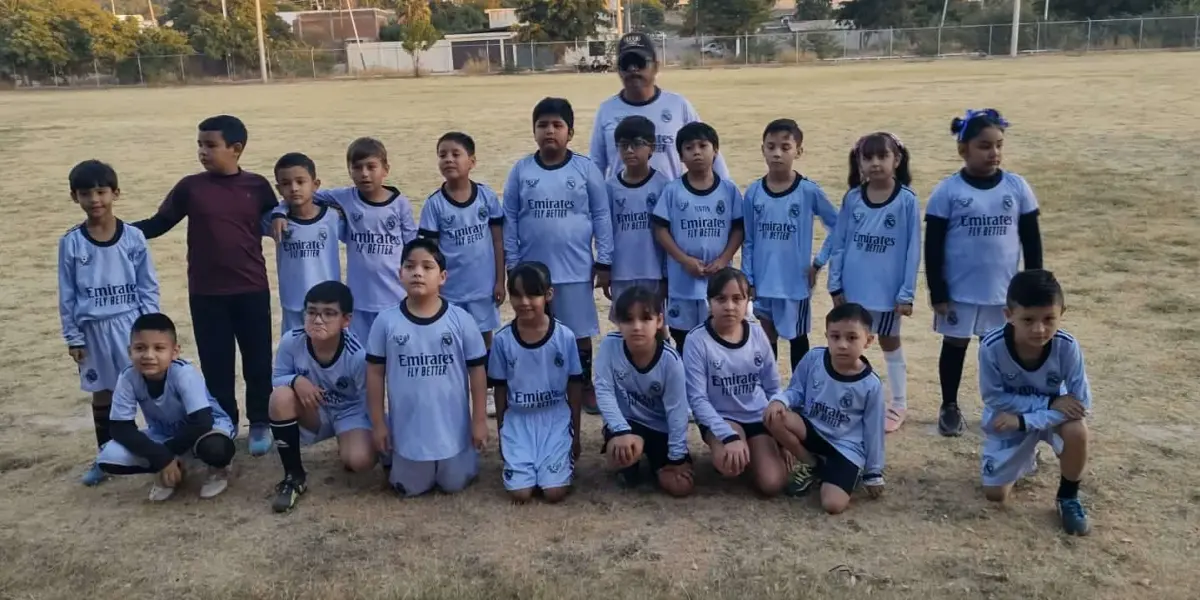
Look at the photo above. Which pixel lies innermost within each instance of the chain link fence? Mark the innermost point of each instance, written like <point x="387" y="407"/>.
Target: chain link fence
<point x="497" y="57"/>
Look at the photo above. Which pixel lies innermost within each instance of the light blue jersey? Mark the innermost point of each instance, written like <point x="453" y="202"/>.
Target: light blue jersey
<point x="553" y="214"/>
<point x="464" y="234"/>
<point x="655" y="396"/>
<point x="667" y="110"/>
<point x="1007" y="386"/>
<point x="848" y="411"/>
<point x="636" y="256"/>
<point x="428" y="386"/>
<point x="343" y="382"/>
<point x="308" y="255"/>
<point x="777" y="248"/>
<point x="877" y="249"/>
<point x="100" y="280"/>
<point x="983" y="248"/>
<point x="700" y="222"/>
<point x="729" y="380"/>
<point x="166" y="415"/>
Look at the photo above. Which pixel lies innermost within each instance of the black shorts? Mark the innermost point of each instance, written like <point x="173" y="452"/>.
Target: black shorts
<point x="751" y="429"/>
<point x="655" y="448"/>
<point x="834" y="469"/>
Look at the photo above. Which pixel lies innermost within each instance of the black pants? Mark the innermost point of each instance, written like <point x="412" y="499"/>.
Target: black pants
<point x="219" y="321"/>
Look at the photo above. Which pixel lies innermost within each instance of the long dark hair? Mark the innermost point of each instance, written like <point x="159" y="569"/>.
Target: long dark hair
<point x="535" y="280"/>
<point x="636" y="302"/>
<point x="878" y="144"/>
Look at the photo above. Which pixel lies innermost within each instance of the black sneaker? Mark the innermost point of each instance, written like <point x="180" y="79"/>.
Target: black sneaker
<point x="950" y="421"/>
<point x="287" y="492"/>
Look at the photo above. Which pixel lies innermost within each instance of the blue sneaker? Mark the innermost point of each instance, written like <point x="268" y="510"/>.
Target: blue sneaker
<point x="94" y="476"/>
<point x="1074" y="518"/>
<point x="260" y="440"/>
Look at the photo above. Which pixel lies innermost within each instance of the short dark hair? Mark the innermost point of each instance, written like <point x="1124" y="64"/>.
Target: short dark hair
<point x="364" y="148"/>
<point x="788" y="126"/>
<point x="635" y="127"/>
<point x="295" y="159"/>
<point x="460" y="138"/>
<point x="231" y="128"/>
<point x="331" y="292"/>
<point x="92" y="174"/>
<point x="1034" y="288"/>
<point x="969" y="127"/>
<point x="559" y="107"/>
<point x="718" y="281"/>
<point x="428" y="245"/>
<point x="154" y="322"/>
<point x="850" y="311"/>
<point x="696" y="131"/>
<point x="878" y="144"/>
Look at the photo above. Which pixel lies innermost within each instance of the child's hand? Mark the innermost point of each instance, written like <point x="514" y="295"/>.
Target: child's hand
<point x="382" y="438"/>
<point x="309" y="395"/>
<point x="716" y="265"/>
<point x="171" y="474"/>
<point x="789" y="461"/>
<point x="839" y="299"/>
<point x="603" y="280"/>
<point x="576" y="448"/>
<point x="812" y="276"/>
<point x="78" y="354"/>
<point x="694" y="267"/>
<point x="479" y="434"/>
<point x="775" y="411"/>
<point x="624" y="449"/>
<point x="1006" y="422"/>
<point x="905" y="310"/>
<point x="1069" y="406"/>
<point x="681" y="473"/>
<point x="498" y="293"/>
<point x="277" y="228"/>
<point x="941" y="308"/>
<point x="737" y="458"/>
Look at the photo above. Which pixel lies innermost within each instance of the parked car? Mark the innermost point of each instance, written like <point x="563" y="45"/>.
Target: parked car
<point x="713" y="50"/>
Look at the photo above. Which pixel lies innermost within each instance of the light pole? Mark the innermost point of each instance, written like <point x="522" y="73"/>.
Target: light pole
<point x="1016" y="28"/>
<point x="224" y="10"/>
<point x="262" y="48"/>
<point x="1046" y="11"/>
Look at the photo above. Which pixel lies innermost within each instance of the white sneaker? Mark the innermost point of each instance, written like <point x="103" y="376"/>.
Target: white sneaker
<point x="491" y="403"/>
<point x="216" y="482"/>
<point x="160" y="492"/>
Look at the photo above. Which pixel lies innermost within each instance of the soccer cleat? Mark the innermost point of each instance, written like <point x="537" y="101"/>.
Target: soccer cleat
<point x="215" y="483"/>
<point x="160" y="492"/>
<point x="491" y="402"/>
<point x="895" y="418"/>
<point x="287" y="492"/>
<point x="93" y="476"/>
<point x="1074" y="517"/>
<point x="950" y="421"/>
<point x="260" y="440"/>
<point x="800" y="480"/>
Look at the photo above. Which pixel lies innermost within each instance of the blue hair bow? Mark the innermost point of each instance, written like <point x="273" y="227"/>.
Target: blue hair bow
<point x="992" y="115"/>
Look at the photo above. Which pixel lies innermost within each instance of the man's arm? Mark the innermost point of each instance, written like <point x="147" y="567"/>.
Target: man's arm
<point x="172" y="210"/>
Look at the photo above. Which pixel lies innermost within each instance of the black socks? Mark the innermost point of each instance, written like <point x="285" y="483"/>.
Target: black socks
<point x="100" y="420"/>
<point x="287" y="442"/>
<point x="1067" y="489"/>
<point x="798" y="347"/>
<point x="950" y="368"/>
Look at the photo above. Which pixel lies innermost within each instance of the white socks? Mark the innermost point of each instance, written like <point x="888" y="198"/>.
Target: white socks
<point x="897" y="376"/>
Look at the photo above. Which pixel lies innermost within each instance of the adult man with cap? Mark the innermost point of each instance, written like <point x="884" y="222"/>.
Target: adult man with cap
<point x="637" y="65"/>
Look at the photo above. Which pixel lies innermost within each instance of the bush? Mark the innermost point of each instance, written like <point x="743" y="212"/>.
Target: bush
<point x="823" y="44"/>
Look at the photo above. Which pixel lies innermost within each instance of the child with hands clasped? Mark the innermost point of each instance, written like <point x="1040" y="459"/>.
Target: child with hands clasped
<point x="831" y="415"/>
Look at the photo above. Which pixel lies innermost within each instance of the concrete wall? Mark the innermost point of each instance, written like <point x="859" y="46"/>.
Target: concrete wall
<point x="390" y="56"/>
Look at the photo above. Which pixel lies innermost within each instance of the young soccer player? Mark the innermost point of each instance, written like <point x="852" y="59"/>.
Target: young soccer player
<point x="320" y="390"/>
<point x="1035" y="389"/>
<point x="379" y="222"/>
<point x="632" y="194"/>
<point x="535" y="368"/>
<point x="730" y="375"/>
<point x="831" y="416"/>
<point x="307" y="252"/>
<point x="698" y="223"/>
<point x="980" y="222"/>
<point x="467" y="221"/>
<point x="228" y="290"/>
<point x="877" y="250"/>
<point x="105" y="280"/>
<point x="779" y="211"/>
<point x="556" y="206"/>
<point x="642" y="396"/>
<point x="181" y="416"/>
<point x="429" y="357"/>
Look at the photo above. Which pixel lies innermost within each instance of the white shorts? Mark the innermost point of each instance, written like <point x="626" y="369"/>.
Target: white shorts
<point x="360" y="324"/>
<point x="415" y="477"/>
<point x="885" y="324"/>
<point x="336" y="421"/>
<point x="620" y="287"/>
<point x="1007" y="458"/>
<point x="536" y="447"/>
<point x="106" y="343"/>
<point x="685" y="315"/>
<point x="575" y="305"/>
<point x="791" y="318"/>
<point x="485" y="313"/>
<point x="113" y="453"/>
<point x="966" y="320"/>
<point x="294" y="319"/>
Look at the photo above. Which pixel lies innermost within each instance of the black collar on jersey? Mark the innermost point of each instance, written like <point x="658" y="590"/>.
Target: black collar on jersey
<point x="456" y="203"/>
<point x="320" y="215"/>
<point x="423" y="320"/>
<point x="712" y="332"/>
<point x="336" y="355"/>
<point x="115" y="238"/>
<point x="155" y="388"/>
<point x="535" y="345"/>
<point x="1010" y="344"/>
<point x="716" y="184"/>
<point x="657" y="93"/>
<point x="537" y="158"/>
<point x="658" y="350"/>
<point x="833" y="374"/>
<point x="634" y="186"/>
<point x="395" y="194"/>
<point x="896" y="187"/>
<point x="791" y="188"/>
<point x="982" y="183"/>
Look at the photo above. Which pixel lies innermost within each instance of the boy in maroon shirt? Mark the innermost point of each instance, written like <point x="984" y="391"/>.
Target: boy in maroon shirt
<point x="228" y="291"/>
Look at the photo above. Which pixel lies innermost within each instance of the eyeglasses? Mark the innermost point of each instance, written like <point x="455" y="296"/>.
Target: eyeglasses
<point x="324" y="315"/>
<point x="633" y="144"/>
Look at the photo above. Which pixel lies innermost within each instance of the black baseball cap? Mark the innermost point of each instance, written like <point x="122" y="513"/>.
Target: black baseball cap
<point x="636" y="43"/>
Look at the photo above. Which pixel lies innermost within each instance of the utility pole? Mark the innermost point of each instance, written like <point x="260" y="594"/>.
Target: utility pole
<point x="224" y="10"/>
<point x="1046" y="13"/>
<point x="1016" y="29"/>
<point x="262" y="47"/>
<point x="153" y="20"/>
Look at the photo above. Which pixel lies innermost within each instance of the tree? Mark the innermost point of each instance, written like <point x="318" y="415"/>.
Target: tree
<point x="882" y="14"/>
<point x="213" y="35"/>
<point x="813" y="10"/>
<point x="646" y="14"/>
<point x="448" y="17"/>
<point x="561" y="20"/>
<point x="725" y="17"/>
<point x="419" y="36"/>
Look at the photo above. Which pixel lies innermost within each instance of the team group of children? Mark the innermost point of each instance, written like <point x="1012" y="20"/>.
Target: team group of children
<point x="401" y="363"/>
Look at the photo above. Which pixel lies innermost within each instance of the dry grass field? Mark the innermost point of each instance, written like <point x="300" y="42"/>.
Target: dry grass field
<point x="1110" y="144"/>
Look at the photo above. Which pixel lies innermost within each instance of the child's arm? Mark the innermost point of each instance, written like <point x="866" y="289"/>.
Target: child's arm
<point x="172" y="210"/>
<point x="748" y="217"/>
<point x="837" y="246"/>
<point x="497" y="373"/>
<point x="912" y="260"/>
<point x="1028" y="229"/>
<point x="377" y="384"/>
<point x="475" y="354"/>
<point x="194" y="394"/>
<point x="825" y="211"/>
<point x="873" y="435"/>
<point x="512" y="208"/>
<point x="696" y="382"/>
<point x="124" y="430"/>
<point x="601" y="215"/>
<point x="66" y="296"/>
<point x="1031" y="410"/>
<point x="937" y="222"/>
<point x="408" y="223"/>
<point x="606" y="391"/>
<point x="496" y="227"/>
<point x="768" y="375"/>
<point x="147" y="283"/>
<point x="737" y="233"/>
<point x="428" y="228"/>
<point x="675" y="403"/>
<point x="792" y="397"/>
<point x="574" y="395"/>
<point x="283" y="373"/>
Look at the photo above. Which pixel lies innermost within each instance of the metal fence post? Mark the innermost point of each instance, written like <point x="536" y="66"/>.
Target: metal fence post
<point x="845" y="42"/>
<point x="141" y="77"/>
<point x="891" y="42"/>
<point x="1196" y="36"/>
<point x="312" y="60"/>
<point x="96" y="70"/>
<point x="797" y="36"/>
<point x="1141" y="29"/>
<point x="1037" y="40"/>
<point x="182" y="71"/>
<point x="1088" y="47"/>
<point x="990" y="29"/>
